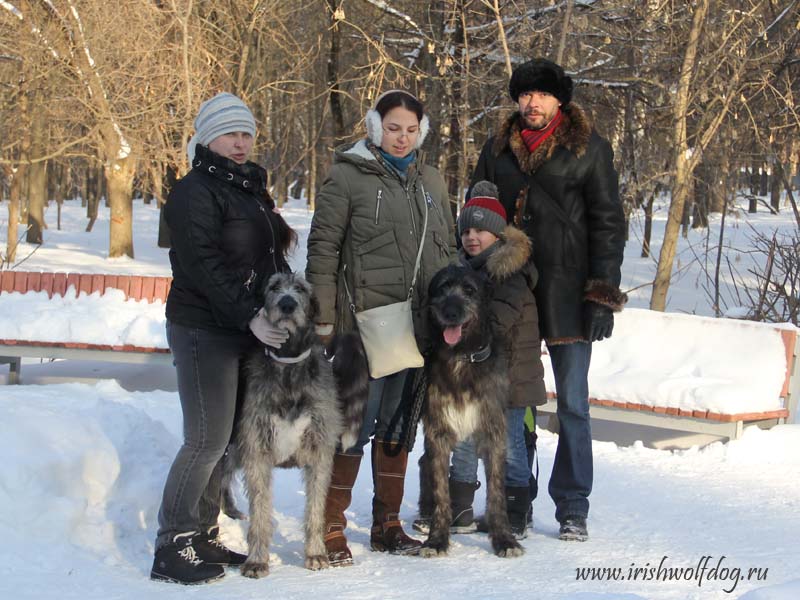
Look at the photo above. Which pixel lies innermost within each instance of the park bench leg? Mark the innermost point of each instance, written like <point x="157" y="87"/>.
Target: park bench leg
<point x="14" y="368"/>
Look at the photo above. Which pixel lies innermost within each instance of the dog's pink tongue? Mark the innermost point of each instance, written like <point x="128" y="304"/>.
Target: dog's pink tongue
<point x="452" y="335"/>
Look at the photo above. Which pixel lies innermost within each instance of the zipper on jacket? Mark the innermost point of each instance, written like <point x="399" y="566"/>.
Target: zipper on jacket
<point x="272" y="232"/>
<point x="378" y="205"/>
<point x="250" y="279"/>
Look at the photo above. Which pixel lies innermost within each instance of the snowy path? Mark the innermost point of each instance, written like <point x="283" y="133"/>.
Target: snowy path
<point x="81" y="493"/>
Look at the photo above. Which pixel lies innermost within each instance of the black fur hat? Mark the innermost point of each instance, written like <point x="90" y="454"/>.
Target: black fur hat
<point x="541" y="75"/>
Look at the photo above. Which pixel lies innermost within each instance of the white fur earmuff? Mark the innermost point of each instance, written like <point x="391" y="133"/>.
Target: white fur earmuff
<point x="374" y="123"/>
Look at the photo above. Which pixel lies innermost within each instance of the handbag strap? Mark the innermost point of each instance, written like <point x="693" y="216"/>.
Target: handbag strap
<point x="426" y="201"/>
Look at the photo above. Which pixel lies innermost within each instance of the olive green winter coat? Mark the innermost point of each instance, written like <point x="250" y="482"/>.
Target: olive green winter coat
<point x="366" y="231"/>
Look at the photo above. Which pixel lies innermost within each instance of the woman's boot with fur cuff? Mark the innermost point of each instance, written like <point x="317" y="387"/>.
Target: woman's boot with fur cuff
<point x="389" y="461"/>
<point x="340" y="493"/>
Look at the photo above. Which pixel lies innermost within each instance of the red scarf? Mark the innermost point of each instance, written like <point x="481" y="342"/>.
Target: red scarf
<point x="533" y="138"/>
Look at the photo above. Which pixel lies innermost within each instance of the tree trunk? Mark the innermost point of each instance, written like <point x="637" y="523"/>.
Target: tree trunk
<point x="119" y="181"/>
<point x="337" y="113"/>
<point x="92" y="196"/>
<point x="776" y="185"/>
<point x="648" y="224"/>
<point x="168" y="182"/>
<point x="683" y="175"/>
<point x="37" y="182"/>
<point x="13" y="213"/>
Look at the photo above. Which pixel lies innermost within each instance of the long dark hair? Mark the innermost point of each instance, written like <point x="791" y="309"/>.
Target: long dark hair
<point x="399" y="98"/>
<point x="287" y="237"/>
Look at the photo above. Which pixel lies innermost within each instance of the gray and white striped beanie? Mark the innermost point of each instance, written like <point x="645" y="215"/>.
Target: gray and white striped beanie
<point x="224" y="113"/>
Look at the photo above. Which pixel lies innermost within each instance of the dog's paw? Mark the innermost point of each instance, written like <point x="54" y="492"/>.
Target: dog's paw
<point x="255" y="570"/>
<point x="315" y="563"/>
<point x="433" y="549"/>
<point x="507" y="548"/>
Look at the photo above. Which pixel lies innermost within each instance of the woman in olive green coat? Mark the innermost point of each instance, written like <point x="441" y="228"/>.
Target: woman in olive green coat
<point x="363" y="245"/>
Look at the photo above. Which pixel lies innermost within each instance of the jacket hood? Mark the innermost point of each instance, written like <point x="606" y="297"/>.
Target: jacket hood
<point x="512" y="254"/>
<point x="573" y="134"/>
<point x="362" y="156"/>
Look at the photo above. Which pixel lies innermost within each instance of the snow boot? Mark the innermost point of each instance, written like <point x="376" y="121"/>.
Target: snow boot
<point x="461" y="496"/>
<point x="518" y="503"/>
<point x="422" y="523"/>
<point x="210" y="550"/>
<point x="389" y="461"/>
<point x="177" y="562"/>
<point x="340" y="493"/>
<point x="573" y="529"/>
<point x="519" y="510"/>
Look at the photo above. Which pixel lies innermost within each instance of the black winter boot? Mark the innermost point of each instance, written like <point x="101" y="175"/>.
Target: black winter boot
<point x="573" y="529"/>
<point x="518" y="502"/>
<point x="210" y="550"/>
<point x="461" y="496"/>
<point x="177" y="562"/>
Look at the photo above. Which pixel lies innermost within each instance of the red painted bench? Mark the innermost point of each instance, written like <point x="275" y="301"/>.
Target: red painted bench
<point x="134" y="287"/>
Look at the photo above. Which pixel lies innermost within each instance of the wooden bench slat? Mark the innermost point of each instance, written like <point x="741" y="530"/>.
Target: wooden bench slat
<point x="21" y="282"/>
<point x="73" y="281"/>
<point x="47" y="283"/>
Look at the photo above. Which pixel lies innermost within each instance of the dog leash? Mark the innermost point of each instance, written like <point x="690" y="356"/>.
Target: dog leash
<point x="288" y="360"/>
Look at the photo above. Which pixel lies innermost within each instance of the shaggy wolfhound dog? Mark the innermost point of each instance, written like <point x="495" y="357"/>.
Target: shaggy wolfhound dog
<point x="298" y="406"/>
<point x="467" y="395"/>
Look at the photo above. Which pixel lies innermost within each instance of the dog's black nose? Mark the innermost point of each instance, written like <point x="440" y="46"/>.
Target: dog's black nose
<point x="287" y="304"/>
<point x="453" y="311"/>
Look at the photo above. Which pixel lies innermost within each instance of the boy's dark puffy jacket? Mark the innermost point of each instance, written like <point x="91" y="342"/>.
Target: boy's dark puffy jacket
<point x="224" y="243"/>
<point x="515" y="320"/>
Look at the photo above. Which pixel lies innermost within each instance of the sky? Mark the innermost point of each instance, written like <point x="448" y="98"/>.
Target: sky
<point x="88" y="445"/>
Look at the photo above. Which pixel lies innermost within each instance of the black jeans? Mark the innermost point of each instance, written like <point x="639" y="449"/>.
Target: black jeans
<point x="208" y="366"/>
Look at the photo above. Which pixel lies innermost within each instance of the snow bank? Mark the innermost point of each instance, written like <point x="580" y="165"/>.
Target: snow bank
<point x="107" y="319"/>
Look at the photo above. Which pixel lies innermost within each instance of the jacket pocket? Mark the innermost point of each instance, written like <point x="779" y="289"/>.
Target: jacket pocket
<point x="380" y="252"/>
<point x="380" y="240"/>
<point x="378" y="287"/>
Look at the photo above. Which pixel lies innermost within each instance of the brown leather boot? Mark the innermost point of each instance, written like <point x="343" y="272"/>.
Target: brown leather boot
<point x="340" y="492"/>
<point x="389" y="461"/>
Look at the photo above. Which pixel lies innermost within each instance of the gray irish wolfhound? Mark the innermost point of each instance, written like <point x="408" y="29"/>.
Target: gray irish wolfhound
<point x="467" y="395"/>
<point x="292" y="416"/>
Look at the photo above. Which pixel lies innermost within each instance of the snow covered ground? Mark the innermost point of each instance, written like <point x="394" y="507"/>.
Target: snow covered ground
<point x="85" y="464"/>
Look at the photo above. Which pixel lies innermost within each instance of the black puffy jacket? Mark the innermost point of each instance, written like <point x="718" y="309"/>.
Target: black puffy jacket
<point x="567" y="194"/>
<point x="224" y="243"/>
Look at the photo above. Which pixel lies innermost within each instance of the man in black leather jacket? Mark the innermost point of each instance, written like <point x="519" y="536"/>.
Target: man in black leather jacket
<point x="557" y="181"/>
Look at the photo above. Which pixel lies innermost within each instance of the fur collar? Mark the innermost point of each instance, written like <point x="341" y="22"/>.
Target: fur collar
<point x="513" y="252"/>
<point x="573" y="134"/>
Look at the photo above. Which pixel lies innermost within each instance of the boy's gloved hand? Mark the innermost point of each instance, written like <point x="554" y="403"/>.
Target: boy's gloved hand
<point x="267" y="333"/>
<point x="598" y="321"/>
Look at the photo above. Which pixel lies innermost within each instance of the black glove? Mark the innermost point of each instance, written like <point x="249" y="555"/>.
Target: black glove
<point x="599" y="321"/>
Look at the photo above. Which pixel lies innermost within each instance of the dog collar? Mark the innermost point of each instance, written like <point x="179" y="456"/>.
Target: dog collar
<point x="479" y="356"/>
<point x="288" y="360"/>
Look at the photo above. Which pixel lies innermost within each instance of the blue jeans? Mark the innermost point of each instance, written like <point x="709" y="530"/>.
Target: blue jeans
<point x="571" y="479"/>
<point x="464" y="466"/>
<point x="383" y="415"/>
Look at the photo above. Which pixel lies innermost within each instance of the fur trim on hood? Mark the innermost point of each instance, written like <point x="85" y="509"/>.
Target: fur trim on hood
<point x="573" y="134"/>
<point x="513" y="252"/>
